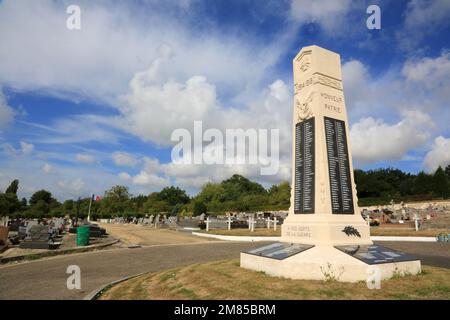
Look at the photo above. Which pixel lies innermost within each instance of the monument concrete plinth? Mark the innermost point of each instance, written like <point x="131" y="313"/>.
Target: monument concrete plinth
<point x="324" y="234"/>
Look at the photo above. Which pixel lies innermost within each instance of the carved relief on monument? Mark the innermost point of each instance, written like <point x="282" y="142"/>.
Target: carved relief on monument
<point x="304" y="61"/>
<point x="304" y="109"/>
<point x="331" y="97"/>
<point x="305" y="64"/>
<point x="328" y="81"/>
<point x="318" y="78"/>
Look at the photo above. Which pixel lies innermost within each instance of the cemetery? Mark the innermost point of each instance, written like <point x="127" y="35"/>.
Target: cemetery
<point x="30" y="238"/>
<point x="225" y="150"/>
<point x="325" y="250"/>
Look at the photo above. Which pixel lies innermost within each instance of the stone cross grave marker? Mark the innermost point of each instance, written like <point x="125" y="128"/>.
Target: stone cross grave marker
<point x="207" y="221"/>
<point x="157" y="221"/>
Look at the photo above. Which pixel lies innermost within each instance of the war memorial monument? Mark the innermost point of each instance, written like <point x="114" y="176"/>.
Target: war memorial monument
<point x="324" y="236"/>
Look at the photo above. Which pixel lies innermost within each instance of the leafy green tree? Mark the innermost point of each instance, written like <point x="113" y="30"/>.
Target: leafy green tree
<point x="13" y="187"/>
<point x="69" y="207"/>
<point x="119" y="193"/>
<point x="23" y="203"/>
<point x="423" y="184"/>
<point x="173" y="196"/>
<point x="447" y="171"/>
<point x="8" y="203"/>
<point x="280" y="195"/>
<point x="157" y="206"/>
<point x="237" y="185"/>
<point x="43" y="195"/>
<point x="440" y="183"/>
<point x="199" y="208"/>
<point x="115" y="202"/>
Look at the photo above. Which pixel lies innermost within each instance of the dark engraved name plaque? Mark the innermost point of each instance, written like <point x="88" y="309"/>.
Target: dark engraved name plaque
<point x="304" y="167"/>
<point x="280" y="250"/>
<point x="338" y="167"/>
<point x="374" y="254"/>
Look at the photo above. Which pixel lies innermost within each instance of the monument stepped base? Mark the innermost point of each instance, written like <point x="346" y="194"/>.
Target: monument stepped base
<point x="327" y="263"/>
<point x="314" y="229"/>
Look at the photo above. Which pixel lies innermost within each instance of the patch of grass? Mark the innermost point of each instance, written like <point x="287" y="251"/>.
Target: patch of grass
<point x="332" y="293"/>
<point x="377" y="231"/>
<point x="434" y="289"/>
<point x="167" y="276"/>
<point x="188" y="294"/>
<point x="226" y="280"/>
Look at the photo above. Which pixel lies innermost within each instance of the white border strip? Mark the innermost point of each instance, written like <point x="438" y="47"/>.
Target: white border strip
<point x="261" y="238"/>
<point x="235" y="238"/>
<point x="412" y="239"/>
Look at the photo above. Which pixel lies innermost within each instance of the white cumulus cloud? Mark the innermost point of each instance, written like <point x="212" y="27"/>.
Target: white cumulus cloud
<point x="124" y="159"/>
<point x="327" y="13"/>
<point x="26" y="148"/>
<point x="375" y="140"/>
<point x="439" y="155"/>
<point x="6" y="112"/>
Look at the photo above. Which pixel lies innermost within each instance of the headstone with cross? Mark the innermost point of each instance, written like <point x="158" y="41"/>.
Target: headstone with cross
<point x="275" y="221"/>
<point x="207" y="221"/>
<point x="157" y="221"/>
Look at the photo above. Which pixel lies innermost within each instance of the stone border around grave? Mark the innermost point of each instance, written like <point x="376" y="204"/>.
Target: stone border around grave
<point x="263" y="238"/>
<point x="56" y="252"/>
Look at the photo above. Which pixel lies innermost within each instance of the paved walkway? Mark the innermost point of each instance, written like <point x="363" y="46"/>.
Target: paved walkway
<point x="46" y="279"/>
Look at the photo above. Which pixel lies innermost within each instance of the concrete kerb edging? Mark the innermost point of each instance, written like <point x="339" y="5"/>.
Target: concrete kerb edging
<point x="262" y="238"/>
<point x="96" y="293"/>
<point x="57" y="252"/>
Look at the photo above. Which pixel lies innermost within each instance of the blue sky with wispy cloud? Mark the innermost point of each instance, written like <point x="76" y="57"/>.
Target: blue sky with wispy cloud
<point x="83" y="110"/>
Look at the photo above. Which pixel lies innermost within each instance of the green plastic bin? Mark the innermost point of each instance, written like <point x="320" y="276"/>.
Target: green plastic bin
<point x="82" y="236"/>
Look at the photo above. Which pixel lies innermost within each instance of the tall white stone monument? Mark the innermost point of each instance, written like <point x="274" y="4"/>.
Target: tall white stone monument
<point x="324" y="235"/>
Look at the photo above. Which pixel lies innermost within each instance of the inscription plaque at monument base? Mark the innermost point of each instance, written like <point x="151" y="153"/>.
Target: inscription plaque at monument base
<point x="324" y="220"/>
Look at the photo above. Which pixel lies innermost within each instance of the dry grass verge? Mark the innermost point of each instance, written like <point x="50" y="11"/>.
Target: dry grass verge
<point x="226" y="280"/>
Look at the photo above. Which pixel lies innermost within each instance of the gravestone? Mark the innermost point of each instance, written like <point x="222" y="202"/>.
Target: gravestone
<point x="157" y="221"/>
<point x="40" y="237"/>
<point x="30" y="224"/>
<point x="324" y="216"/>
<point x="3" y="236"/>
<point x="4" y="221"/>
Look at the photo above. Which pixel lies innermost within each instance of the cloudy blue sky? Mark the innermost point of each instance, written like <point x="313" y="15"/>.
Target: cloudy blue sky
<point x="83" y="110"/>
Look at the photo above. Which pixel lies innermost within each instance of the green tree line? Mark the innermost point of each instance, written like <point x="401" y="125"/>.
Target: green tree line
<point x="234" y="194"/>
